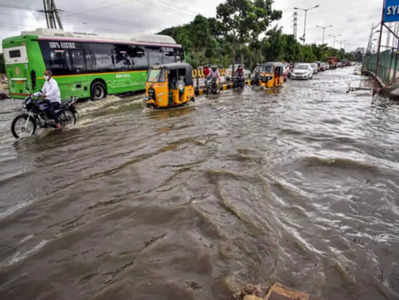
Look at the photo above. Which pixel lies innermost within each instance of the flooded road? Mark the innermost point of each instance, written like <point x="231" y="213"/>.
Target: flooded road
<point x="298" y="186"/>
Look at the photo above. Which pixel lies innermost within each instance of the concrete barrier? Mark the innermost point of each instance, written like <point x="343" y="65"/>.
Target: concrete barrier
<point x="225" y="86"/>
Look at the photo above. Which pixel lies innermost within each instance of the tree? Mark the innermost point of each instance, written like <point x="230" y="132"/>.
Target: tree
<point x="274" y="44"/>
<point x="292" y="49"/>
<point x="242" y="21"/>
<point x="240" y="32"/>
<point x="307" y="54"/>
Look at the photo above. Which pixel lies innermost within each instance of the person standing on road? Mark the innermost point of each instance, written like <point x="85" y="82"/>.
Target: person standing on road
<point x="51" y="92"/>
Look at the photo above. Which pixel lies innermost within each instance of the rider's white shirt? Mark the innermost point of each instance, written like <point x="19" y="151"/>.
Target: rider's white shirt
<point x="51" y="90"/>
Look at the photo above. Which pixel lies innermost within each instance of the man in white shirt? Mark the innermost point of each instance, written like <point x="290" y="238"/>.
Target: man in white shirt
<point x="51" y="92"/>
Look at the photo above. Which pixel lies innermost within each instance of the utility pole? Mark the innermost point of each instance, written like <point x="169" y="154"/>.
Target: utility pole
<point x="295" y="25"/>
<point x="388" y="37"/>
<point x="334" y="38"/>
<point x="370" y="43"/>
<point x="324" y="31"/>
<point x="305" y="20"/>
<point x="53" y="19"/>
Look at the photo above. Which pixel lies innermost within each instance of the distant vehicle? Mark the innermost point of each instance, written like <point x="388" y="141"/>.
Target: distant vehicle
<point x="315" y="68"/>
<point x="302" y="71"/>
<point x="332" y="62"/>
<point x="324" y="66"/>
<point x="84" y="65"/>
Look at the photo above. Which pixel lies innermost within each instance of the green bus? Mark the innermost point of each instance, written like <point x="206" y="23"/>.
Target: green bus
<point x="84" y="65"/>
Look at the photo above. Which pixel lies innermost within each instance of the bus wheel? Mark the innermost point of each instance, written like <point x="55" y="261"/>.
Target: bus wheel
<point x="98" y="90"/>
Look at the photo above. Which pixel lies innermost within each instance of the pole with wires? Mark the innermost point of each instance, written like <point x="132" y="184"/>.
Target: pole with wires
<point x="50" y="11"/>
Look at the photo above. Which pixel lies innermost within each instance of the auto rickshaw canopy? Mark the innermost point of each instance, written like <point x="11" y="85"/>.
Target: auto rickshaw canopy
<point x="271" y="66"/>
<point x="181" y="69"/>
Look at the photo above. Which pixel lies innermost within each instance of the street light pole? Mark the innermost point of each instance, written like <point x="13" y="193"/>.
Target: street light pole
<point x="335" y="38"/>
<point x="324" y="30"/>
<point x="305" y="20"/>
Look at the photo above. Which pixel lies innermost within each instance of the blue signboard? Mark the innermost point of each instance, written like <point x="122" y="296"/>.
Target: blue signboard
<point x="391" y="11"/>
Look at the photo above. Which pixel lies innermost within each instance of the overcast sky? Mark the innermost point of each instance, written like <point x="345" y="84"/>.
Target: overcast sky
<point x="351" y="20"/>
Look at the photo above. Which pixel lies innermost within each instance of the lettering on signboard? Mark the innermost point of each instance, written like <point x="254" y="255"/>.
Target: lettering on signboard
<point x="392" y="10"/>
<point x="62" y="45"/>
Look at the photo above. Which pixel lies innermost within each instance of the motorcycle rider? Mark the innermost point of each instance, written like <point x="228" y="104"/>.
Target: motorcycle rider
<point x="214" y="76"/>
<point x="240" y="71"/>
<point x="206" y="71"/>
<point x="51" y="92"/>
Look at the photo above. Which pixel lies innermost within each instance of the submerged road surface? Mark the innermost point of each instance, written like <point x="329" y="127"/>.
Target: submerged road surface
<point x="299" y="186"/>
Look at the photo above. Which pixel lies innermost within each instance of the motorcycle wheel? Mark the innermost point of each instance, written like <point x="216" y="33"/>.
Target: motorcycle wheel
<point x="23" y="126"/>
<point x="67" y="118"/>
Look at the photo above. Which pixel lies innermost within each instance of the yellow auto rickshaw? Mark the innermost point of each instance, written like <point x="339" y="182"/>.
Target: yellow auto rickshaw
<point x="169" y="85"/>
<point x="269" y="75"/>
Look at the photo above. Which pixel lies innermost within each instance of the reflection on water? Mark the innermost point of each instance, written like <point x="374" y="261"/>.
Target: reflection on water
<point x="297" y="185"/>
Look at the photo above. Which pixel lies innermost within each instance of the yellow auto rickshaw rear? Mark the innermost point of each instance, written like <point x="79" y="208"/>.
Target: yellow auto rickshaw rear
<point x="169" y="85"/>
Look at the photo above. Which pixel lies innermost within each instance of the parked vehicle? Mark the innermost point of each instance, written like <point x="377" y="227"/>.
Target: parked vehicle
<point x="169" y="85"/>
<point x="324" y="66"/>
<point x="36" y="116"/>
<point x="315" y="68"/>
<point x="302" y="71"/>
<point x="332" y="62"/>
<point x="268" y="75"/>
<point x="318" y="65"/>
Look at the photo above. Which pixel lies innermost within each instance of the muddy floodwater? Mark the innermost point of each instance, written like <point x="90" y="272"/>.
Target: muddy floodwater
<point x="298" y="185"/>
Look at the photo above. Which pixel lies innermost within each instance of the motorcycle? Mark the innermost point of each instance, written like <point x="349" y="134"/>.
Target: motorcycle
<point x="35" y="116"/>
<point x="212" y="86"/>
<point x="238" y="82"/>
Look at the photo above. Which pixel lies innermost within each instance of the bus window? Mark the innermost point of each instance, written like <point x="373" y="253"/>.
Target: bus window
<point x="179" y="54"/>
<point x="78" y="61"/>
<point x="102" y="57"/>
<point x="57" y="62"/>
<point x="139" y="58"/>
<point x="90" y="61"/>
<point x="14" y="53"/>
<point x="155" y="55"/>
<point x="169" y="55"/>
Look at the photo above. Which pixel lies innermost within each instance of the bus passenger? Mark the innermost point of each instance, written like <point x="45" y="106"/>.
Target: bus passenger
<point x="51" y="92"/>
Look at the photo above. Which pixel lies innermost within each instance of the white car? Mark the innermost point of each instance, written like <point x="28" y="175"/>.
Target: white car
<point x="302" y="71"/>
<point x="315" y="68"/>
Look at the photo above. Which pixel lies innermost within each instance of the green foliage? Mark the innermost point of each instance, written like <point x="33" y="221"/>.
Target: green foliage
<point x="241" y="33"/>
<point x="2" y="67"/>
<point x="242" y="21"/>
